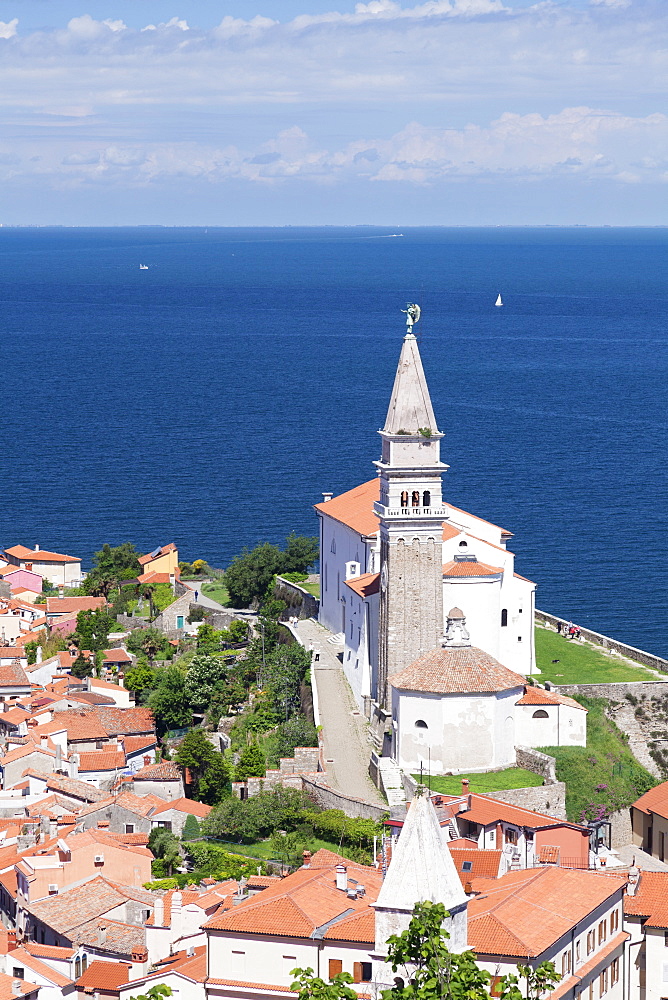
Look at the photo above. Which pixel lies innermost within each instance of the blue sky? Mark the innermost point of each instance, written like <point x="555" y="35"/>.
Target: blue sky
<point x="275" y="112"/>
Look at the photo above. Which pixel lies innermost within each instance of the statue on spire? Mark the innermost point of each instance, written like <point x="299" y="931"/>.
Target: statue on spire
<point x="412" y="311"/>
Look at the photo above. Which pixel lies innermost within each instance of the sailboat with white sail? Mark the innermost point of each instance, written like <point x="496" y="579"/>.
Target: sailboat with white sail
<point x="499" y="300"/>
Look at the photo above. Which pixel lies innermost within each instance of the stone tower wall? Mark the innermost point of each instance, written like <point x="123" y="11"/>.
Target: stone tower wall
<point x="411" y="606"/>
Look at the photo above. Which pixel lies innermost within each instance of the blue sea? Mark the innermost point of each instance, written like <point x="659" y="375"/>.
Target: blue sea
<point x="212" y="398"/>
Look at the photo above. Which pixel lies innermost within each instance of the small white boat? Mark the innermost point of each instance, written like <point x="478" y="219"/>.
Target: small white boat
<point x="143" y="267"/>
<point x="499" y="300"/>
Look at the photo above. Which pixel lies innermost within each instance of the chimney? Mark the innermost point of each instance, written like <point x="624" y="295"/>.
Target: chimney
<point x="102" y="933"/>
<point x="38" y="655"/>
<point x="468" y="888"/>
<point x="61" y="590"/>
<point x="634" y="879"/>
<point x="172" y="582"/>
<point x="74" y="765"/>
<point x="326" y="497"/>
<point x="12" y="943"/>
<point x="36" y="548"/>
<point x="360" y="890"/>
<point x="44" y="742"/>
<point x="158" y="912"/>
<point x="341" y="877"/>
<point x="17" y="988"/>
<point x="307" y="859"/>
<point x="177" y="898"/>
<point x="465" y="786"/>
<point x="59" y="758"/>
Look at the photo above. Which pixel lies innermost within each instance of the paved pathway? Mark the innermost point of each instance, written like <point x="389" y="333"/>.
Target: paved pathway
<point x="202" y="599"/>
<point x="643" y="861"/>
<point x="346" y="741"/>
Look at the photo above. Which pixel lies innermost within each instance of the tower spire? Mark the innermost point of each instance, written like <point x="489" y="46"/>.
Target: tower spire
<point x="410" y="409"/>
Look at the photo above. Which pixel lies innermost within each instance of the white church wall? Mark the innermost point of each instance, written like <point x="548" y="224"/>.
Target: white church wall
<point x="550" y="726"/>
<point x="516" y="638"/>
<point x="479" y="599"/>
<point x="466" y="732"/>
<point x="339" y="544"/>
<point x="360" y="652"/>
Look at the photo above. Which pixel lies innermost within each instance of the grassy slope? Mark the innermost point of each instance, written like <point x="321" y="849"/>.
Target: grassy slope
<point x="604" y="774"/>
<point x="580" y="664"/>
<point x="494" y="781"/>
<point x="217" y="592"/>
<point x="313" y="588"/>
<point x="261" y="849"/>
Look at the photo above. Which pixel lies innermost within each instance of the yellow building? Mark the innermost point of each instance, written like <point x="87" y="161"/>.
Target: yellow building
<point x="162" y="560"/>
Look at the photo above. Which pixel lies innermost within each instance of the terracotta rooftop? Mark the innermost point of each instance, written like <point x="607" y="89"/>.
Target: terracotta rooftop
<point x="73" y="605"/>
<point x="523" y="913"/>
<point x="48" y="950"/>
<point x="12" y="652"/>
<point x="364" y="585"/>
<point x="143" y="805"/>
<point x="355" y="507"/>
<point x="242" y="984"/>
<point x="456" y="670"/>
<point x="157" y="553"/>
<point x="473" y="863"/>
<point x="539" y="696"/>
<point x="306" y="901"/>
<point x="13" y="675"/>
<point x="101" y="761"/>
<point x="650" y="900"/>
<point x="654" y="801"/>
<point x="112" y="936"/>
<point x="23" y="956"/>
<point x="468" y="568"/>
<point x="70" y="910"/>
<point x="116" y="656"/>
<point x="187" y="806"/>
<point x="165" y="771"/>
<point x="7" y="987"/>
<point x="39" y="555"/>
<point x="191" y="966"/>
<point x="107" y="976"/>
<point x="486" y="811"/>
<point x="72" y="786"/>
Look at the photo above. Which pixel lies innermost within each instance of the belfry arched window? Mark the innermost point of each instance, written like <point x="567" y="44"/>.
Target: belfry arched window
<point x="426" y="499"/>
<point x="404" y="498"/>
<point x="416" y="498"/>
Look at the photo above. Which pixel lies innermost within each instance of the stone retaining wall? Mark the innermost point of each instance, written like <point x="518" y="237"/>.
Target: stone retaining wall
<point x="550" y="799"/>
<point x="299" y="601"/>
<point x="537" y="762"/>
<point x="289" y="773"/>
<point x="639" y="655"/>
<point x="615" y="691"/>
<point x="328" y="798"/>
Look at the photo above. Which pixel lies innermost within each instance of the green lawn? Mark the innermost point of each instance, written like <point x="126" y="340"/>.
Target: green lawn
<point x="604" y="774"/>
<point x="580" y="664"/>
<point x="494" y="781"/>
<point x="261" y="849"/>
<point x="313" y="588"/>
<point x="217" y="592"/>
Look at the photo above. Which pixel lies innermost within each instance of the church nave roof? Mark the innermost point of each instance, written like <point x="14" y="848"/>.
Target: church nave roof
<point x="456" y="670"/>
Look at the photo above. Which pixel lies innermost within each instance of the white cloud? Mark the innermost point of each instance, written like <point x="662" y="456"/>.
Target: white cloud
<point x="8" y="28"/>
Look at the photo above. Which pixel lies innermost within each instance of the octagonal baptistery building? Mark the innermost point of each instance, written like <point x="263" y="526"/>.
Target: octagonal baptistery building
<point x="454" y="708"/>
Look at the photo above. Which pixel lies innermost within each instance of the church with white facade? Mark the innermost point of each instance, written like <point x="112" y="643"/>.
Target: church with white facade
<point x="437" y="626"/>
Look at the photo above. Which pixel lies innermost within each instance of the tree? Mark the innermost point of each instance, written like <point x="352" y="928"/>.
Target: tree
<point x="252" y="763"/>
<point x="296" y="732"/>
<point x="82" y="667"/>
<point x="208" y="638"/>
<point x="155" y="993"/>
<point x="168" y="701"/>
<point x="191" y="830"/>
<point x="250" y="574"/>
<point x="200" y="566"/>
<point x="147" y="640"/>
<point x="259" y="816"/>
<point x="312" y="987"/>
<point x="205" y="673"/>
<point x="284" y="671"/>
<point x="209" y="774"/>
<point x="93" y="628"/>
<point x="140" y="679"/>
<point x="166" y="848"/>
<point x="300" y="552"/>
<point x="112" y="564"/>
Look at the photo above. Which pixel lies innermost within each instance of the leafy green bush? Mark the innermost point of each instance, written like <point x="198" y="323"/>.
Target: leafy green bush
<point x="333" y="824"/>
<point x="191" y="829"/>
<point x="212" y="861"/>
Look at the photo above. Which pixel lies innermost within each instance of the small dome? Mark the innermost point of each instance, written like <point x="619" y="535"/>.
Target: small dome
<point x="456" y="613"/>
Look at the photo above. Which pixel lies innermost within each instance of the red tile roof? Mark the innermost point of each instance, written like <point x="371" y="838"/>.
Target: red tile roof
<point x="538" y="696"/>
<point x="191" y="966"/>
<point x="365" y="585"/>
<point x="151" y="556"/>
<point x="25" y="957"/>
<point x="165" y="771"/>
<point x="523" y="913"/>
<point x="47" y="950"/>
<point x="7" y="987"/>
<point x="39" y="555"/>
<point x="307" y="900"/>
<point x="468" y="568"/>
<point x="650" y="899"/>
<point x="102" y="761"/>
<point x="104" y="976"/>
<point x="355" y="507"/>
<point x="116" y="656"/>
<point x="13" y="675"/>
<point x="486" y="811"/>
<point x="483" y="864"/>
<point x="186" y="806"/>
<point x="243" y="984"/>
<point x="73" y="605"/>
<point x="456" y="670"/>
<point x="654" y="801"/>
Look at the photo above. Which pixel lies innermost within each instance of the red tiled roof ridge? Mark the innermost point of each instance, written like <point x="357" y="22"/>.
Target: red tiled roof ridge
<point x="456" y="670"/>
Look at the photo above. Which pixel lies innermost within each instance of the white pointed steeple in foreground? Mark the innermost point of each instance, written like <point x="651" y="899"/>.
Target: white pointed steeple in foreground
<point x="421" y="868"/>
<point x="410" y="407"/>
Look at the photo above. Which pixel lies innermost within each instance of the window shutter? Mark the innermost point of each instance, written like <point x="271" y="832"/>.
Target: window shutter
<point x="335" y="967"/>
<point x="357" y="972"/>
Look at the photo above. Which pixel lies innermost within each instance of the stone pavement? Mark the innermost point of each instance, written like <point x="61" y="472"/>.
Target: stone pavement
<point x="347" y="747"/>
<point x="202" y="599"/>
<point x="643" y="861"/>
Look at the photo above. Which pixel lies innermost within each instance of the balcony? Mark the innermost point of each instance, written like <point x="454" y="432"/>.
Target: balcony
<point x="402" y="512"/>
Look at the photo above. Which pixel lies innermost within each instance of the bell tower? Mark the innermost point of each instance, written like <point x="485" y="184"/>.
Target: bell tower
<point x="411" y="516"/>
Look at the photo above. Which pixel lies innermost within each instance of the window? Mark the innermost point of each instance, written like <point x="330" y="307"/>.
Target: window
<point x="335" y="967"/>
<point x="614" y="920"/>
<point x="495" y="986"/>
<point x="426" y="499"/>
<point x="504" y="617"/>
<point x="602" y="932"/>
<point x="366" y="972"/>
<point x="77" y="968"/>
<point x="520" y="610"/>
<point x="577" y="952"/>
<point x="591" y="941"/>
<point x="421" y="724"/>
<point x="519" y="638"/>
<point x="415" y="499"/>
<point x="17" y="972"/>
<point x="463" y="545"/>
<point x="467" y="866"/>
<point x="129" y="828"/>
<point x="603" y="983"/>
<point x="614" y="971"/>
<point x="566" y="963"/>
<point x="511" y="835"/>
<point x="540" y="713"/>
<point x="84" y="962"/>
